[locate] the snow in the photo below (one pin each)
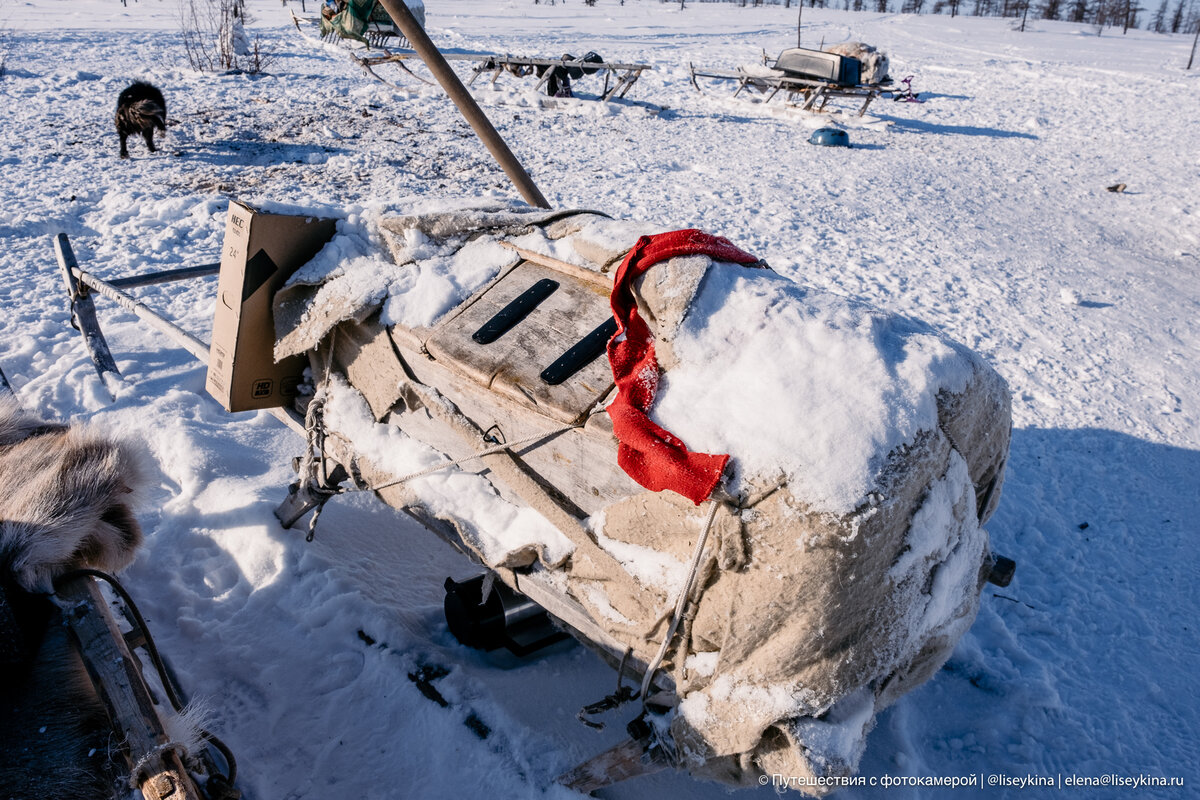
(801, 385)
(977, 211)
(495, 526)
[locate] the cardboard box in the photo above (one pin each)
(261, 252)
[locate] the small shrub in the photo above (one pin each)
(214, 37)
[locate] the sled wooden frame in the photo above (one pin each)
(82, 286)
(630, 758)
(815, 94)
(115, 672)
(618, 78)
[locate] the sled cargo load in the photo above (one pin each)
(765, 498)
(366, 21)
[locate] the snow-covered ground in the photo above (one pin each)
(982, 210)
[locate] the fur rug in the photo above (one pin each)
(65, 502)
(874, 62)
(65, 499)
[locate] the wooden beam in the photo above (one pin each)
(114, 671)
(574, 270)
(83, 311)
(630, 759)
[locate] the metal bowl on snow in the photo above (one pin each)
(830, 137)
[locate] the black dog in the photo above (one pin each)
(140, 109)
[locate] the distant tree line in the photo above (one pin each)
(1167, 16)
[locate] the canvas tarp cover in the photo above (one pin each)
(350, 22)
(847, 553)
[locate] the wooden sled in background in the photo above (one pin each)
(808, 78)
(619, 78)
(805, 93)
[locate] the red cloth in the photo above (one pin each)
(652, 456)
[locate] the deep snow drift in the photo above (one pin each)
(982, 211)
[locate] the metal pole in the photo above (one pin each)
(466, 104)
(167, 276)
(181, 337)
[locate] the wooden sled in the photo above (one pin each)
(542, 478)
(618, 78)
(805, 91)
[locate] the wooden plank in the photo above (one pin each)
(583, 464)
(512, 365)
(114, 671)
(83, 311)
(574, 270)
(632, 758)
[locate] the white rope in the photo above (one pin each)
(680, 602)
(142, 764)
(498, 448)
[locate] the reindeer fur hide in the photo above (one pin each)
(65, 503)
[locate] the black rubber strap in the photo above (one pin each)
(583, 353)
(507, 317)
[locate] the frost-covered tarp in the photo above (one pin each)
(846, 557)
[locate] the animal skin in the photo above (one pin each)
(65, 504)
(140, 109)
(874, 62)
(66, 499)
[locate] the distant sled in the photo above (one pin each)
(808, 79)
(383, 53)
